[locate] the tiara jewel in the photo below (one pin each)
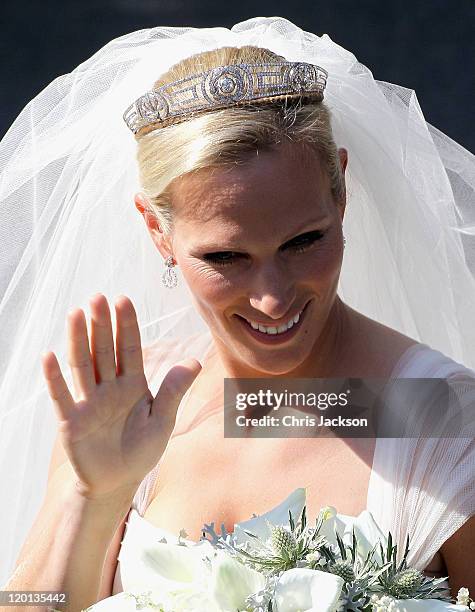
(223, 86)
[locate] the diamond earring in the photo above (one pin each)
(169, 277)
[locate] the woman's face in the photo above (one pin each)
(261, 244)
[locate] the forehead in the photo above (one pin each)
(271, 191)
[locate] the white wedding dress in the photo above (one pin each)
(421, 487)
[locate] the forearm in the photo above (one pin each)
(67, 552)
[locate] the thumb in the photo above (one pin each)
(172, 389)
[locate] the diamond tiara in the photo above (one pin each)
(221, 87)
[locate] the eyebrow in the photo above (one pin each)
(304, 225)
(296, 232)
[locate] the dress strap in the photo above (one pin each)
(143, 493)
(158, 358)
(142, 496)
(423, 486)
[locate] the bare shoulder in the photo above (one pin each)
(457, 552)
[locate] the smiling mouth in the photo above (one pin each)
(272, 334)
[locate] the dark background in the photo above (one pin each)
(426, 45)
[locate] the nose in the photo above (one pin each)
(272, 292)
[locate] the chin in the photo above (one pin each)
(274, 370)
(269, 361)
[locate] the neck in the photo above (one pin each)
(331, 348)
(324, 360)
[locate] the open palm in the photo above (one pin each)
(116, 431)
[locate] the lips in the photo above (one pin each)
(265, 338)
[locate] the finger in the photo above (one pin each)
(79, 355)
(128, 343)
(102, 340)
(172, 389)
(58, 390)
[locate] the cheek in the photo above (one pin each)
(209, 286)
(323, 265)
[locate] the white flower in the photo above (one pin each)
(189, 602)
(331, 522)
(279, 515)
(366, 529)
(300, 590)
(121, 602)
(388, 604)
(184, 576)
(327, 512)
(170, 567)
(367, 534)
(313, 557)
(233, 582)
(383, 604)
(463, 596)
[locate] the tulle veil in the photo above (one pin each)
(68, 227)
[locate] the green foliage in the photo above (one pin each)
(402, 582)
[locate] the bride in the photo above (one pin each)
(256, 146)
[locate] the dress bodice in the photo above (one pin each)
(411, 490)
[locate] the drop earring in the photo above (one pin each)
(169, 277)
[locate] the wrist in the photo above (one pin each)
(122, 495)
(99, 515)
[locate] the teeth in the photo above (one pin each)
(275, 330)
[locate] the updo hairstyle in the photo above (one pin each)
(229, 136)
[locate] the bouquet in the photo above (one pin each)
(277, 562)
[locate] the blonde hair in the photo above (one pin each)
(226, 137)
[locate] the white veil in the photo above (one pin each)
(69, 229)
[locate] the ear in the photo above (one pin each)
(343, 155)
(160, 239)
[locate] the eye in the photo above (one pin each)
(303, 242)
(299, 244)
(223, 258)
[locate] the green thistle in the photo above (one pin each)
(282, 540)
(402, 582)
(405, 584)
(344, 569)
